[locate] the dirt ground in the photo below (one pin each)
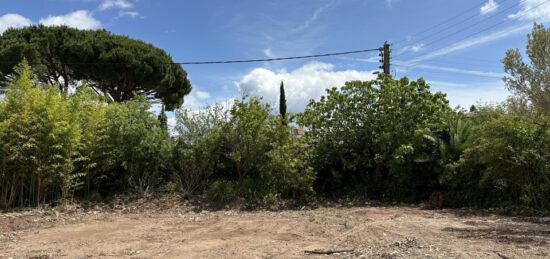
(181, 231)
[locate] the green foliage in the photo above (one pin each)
(515, 153)
(363, 138)
(248, 136)
(53, 144)
(282, 103)
(245, 148)
(265, 158)
(38, 140)
(530, 81)
(287, 169)
(114, 65)
(508, 163)
(506, 160)
(456, 136)
(137, 147)
(222, 191)
(163, 120)
(198, 150)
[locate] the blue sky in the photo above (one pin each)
(460, 57)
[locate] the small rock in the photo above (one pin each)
(347, 225)
(544, 220)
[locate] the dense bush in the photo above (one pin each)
(198, 151)
(52, 144)
(38, 142)
(244, 151)
(506, 163)
(138, 149)
(364, 138)
(507, 158)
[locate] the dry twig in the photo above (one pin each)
(329, 251)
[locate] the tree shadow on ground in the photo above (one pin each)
(505, 232)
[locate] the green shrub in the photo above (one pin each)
(514, 153)
(38, 143)
(199, 147)
(137, 150)
(246, 145)
(53, 144)
(222, 191)
(363, 138)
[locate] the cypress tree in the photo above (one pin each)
(282, 103)
(163, 120)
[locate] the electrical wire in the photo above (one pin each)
(477, 6)
(465, 28)
(477, 23)
(442, 72)
(492, 26)
(275, 59)
(462, 62)
(232, 61)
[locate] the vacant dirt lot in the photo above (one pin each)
(178, 231)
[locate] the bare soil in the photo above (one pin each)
(179, 230)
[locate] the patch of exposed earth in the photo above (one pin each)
(181, 232)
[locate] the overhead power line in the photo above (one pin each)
(524, 13)
(475, 24)
(462, 22)
(232, 61)
(476, 7)
(275, 59)
(490, 27)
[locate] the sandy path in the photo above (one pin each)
(372, 232)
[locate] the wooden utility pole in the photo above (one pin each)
(385, 61)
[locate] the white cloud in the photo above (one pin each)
(79, 19)
(199, 99)
(268, 53)
(301, 85)
(202, 95)
(488, 7)
(412, 48)
(404, 67)
(171, 122)
(132, 14)
(468, 43)
(315, 16)
(449, 69)
(12, 20)
(124, 6)
(473, 93)
(118, 4)
(193, 100)
(533, 10)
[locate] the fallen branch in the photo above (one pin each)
(502, 256)
(328, 252)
